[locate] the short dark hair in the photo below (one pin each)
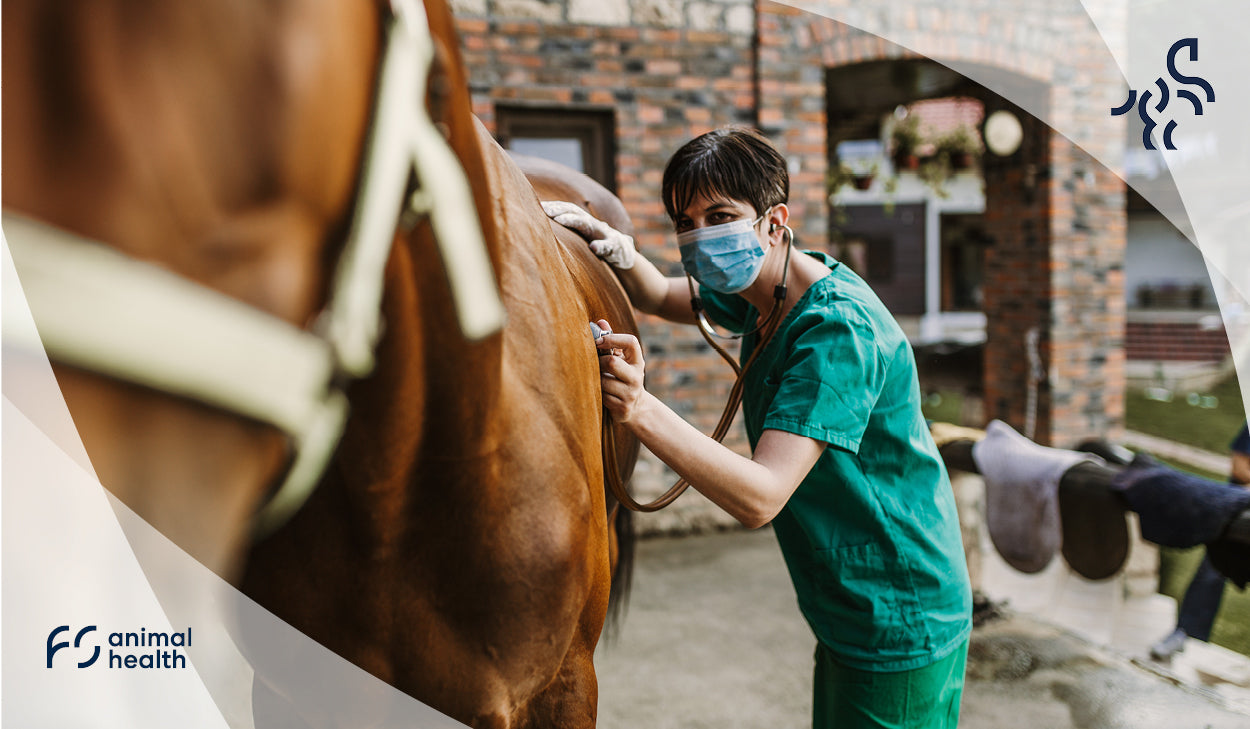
(735, 162)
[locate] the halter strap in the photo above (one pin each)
(102, 311)
(404, 141)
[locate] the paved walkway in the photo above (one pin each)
(1207, 460)
(713, 639)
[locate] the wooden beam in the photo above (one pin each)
(1083, 477)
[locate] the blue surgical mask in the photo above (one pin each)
(726, 258)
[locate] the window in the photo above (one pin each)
(584, 140)
(963, 241)
(870, 256)
(886, 247)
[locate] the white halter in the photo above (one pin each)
(102, 311)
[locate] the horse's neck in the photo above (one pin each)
(213, 137)
(461, 382)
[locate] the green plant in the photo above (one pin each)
(960, 146)
(935, 171)
(837, 177)
(905, 140)
(859, 174)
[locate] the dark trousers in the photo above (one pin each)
(1201, 601)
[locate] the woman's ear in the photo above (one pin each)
(777, 219)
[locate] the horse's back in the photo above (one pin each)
(554, 181)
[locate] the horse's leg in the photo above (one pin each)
(571, 700)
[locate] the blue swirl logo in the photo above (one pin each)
(1143, 101)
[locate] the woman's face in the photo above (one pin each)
(706, 211)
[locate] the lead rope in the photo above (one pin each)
(767, 328)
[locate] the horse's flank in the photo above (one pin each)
(466, 512)
(606, 299)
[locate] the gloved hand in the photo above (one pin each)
(606, 242)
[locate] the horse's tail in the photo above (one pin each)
(623, 572)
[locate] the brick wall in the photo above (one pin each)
(672, 69)
(1017, 273)
(1175, 341)
(1056, 216)
(675, 71)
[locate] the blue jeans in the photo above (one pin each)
(1201, 601)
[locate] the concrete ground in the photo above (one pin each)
(713, 638)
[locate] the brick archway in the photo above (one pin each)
(671, 69)
(1055, 215)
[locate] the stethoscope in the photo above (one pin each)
(767, 327)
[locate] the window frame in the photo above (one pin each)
(594, 128)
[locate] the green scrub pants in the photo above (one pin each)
(922, 698)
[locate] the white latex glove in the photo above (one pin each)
(606, 242)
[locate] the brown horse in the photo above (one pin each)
(554, 181)
(458, 545)
(219, 140)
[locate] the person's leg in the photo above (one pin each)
(1201, 601)
(923, 698)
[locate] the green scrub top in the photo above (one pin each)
(871, 536)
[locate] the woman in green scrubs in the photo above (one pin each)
(842, 462)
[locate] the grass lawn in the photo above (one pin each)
(1210, 429)
(944, 408)
(1232, 624)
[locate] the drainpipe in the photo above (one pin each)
(931, 322)
(755, 65)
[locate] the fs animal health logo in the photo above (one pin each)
(137, 649)
(54, 647)
(1143, 101)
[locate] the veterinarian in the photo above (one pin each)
(842, 462)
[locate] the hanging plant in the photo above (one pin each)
(905, 142)
(839, 176)
(961, 147)
(863, 181)
(935, 171)
(859, 175)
